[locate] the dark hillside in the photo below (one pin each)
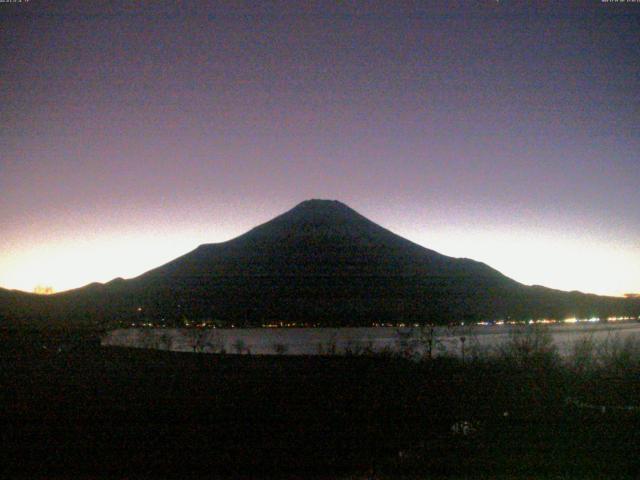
(87, 412)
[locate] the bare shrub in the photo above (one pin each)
(475, 351)
(355, 348)
(166, 341)
(214, 342)
(617, 353)
(406, 342)
(280, 348)
(195, 339)
(582, 356)
(530, 346)
(239, 345)
(352, 348)
(329, 347)
(368, 349)
(428, 339)
(454, 341)
(147, 338)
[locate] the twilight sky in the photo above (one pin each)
(507, 132)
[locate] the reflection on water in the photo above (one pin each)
(321, 341)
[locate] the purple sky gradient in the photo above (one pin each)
(502, 131)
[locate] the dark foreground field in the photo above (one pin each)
(98, 412)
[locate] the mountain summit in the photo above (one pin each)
(319, 238)
(326, 218)
(319, 263)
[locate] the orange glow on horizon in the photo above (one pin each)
(63, 265)
(554, 261)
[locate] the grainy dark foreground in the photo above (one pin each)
(88, 412)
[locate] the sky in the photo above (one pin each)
(507, 132)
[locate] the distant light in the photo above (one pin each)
(43, 290)
(571, 320)
(545, 321)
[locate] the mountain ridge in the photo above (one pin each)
(319, 263)
(339, 234)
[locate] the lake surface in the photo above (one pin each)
(316, 341)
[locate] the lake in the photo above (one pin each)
(315, 341)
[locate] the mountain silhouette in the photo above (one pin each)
(316, 238)
(319, 263)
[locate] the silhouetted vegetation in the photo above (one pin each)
(114, 411)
